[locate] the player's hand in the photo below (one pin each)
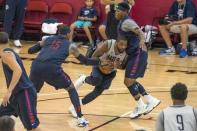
(6, 98)
(117, 64)
(105, 62)
(74, 50)
(143, 46)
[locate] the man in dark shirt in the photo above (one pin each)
(108, 30)
(184, 22)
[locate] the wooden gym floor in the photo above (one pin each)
(110, 111)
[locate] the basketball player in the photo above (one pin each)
(178, 117)
(102, 76)
(20, 99)
(47, 66)
(136, 62)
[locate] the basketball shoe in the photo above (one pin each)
(151, 105)
(72, 111)
(138, 111)
(82, 122)
(80, 81)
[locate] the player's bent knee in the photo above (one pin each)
(71, 86)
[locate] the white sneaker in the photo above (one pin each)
(82, 122)
(168, 51)
(138, 111)
(72, 111)
(17, 43)
(80, 81)
(151, 105)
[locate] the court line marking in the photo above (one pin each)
(71, 61)
(160, 89)
(138, 127)
(114, 119)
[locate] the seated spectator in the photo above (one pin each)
(184, 22)
(182, 117)
(87, 16)
(6, 123)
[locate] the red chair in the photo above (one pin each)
(62, 12)
(37, 12)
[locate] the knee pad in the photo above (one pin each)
(141, 89)
(134, 90)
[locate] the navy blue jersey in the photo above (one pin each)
(88, 12)
(133, 39)
(183, 11)
(54, 50)
(23, 82)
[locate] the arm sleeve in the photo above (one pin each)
(160, 122)
(172, 10)
(129, 25)
(190, 10)
(81, 12)
(88, 61)
(34, 49)
(95, 14)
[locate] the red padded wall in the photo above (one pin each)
(143, 12)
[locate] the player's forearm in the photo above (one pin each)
(141, 36)
(34, 49)
(88, 61)
(15, 78)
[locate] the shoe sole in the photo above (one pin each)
(167, 53)
(18, 46)
(152, 109)
(83, 125)
(136, 116)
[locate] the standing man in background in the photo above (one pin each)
(14, 13)
(108, 30)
